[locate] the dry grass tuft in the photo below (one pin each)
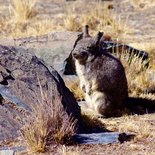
(25, 20)
(98, 19)
(75, 89)
(63, 150)
(135, 125)
(48, 125)
(141, 126)
(92, 124)
(138, 76)
(72, 24)
(23, 10)
(146, 46)
(142, 4)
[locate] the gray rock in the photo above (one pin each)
(13, 148)
(19, 85)
(102, 138)
(7, 152)
(53, 48)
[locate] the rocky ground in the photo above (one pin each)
(137, 19)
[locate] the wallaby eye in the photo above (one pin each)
(83, 53)
(89, 48)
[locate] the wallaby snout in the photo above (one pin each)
(80, 55)
(75, 55)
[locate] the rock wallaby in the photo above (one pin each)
(102, 76)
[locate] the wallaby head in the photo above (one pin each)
(86, 47)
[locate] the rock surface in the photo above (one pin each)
(21, 71)
(7, 152)
(54, 47)
(102, 138)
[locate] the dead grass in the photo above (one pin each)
(146, 46)
(99, 19)
(142, 4)
(49, 124)
(64, 150)
(23, 10)
(72, 24)
(142, 126)
(138, 76)
(92, 123)
(22, 20)
(25, 20)
(75, 89)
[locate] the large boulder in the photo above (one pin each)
(53, 48)
(21, 75)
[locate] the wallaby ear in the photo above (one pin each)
(97, 38)
(79, 37)
(103, 37)
(84, 34)
(86, 31)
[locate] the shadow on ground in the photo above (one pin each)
(140, 106)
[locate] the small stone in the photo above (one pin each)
(7, 152)
(17, 73)
(97, 138)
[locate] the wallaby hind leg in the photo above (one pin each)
(102, 105)
(99, 102)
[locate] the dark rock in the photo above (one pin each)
(113, 47)
(125, 137)
(69, 66)
(22, 71)
(102, 138)
(150, 91)
(53, 48)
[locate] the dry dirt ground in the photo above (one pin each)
(131, 22)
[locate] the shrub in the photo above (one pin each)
(48, 125)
